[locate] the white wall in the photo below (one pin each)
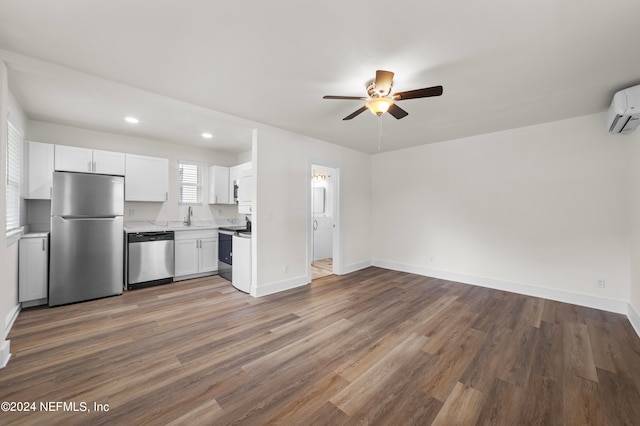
(634, 216)
(282, 170)
(170, 210)
(8, 253)
(540, 209)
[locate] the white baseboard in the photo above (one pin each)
(634, 319)
(5, 353)
(302, 280)
(10, 319)
(353, 267)
(605, 304)
(280, 286)
(5, 345)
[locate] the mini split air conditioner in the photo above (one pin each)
(624, 112)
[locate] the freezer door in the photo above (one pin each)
(87, 258)
(87, 195)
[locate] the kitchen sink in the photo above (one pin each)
(177, 224)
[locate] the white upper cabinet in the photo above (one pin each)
(236, 175)
(245, 191)
(108, 162)
(219, 185)
(74, 159)
(146, 178)
(39, 170)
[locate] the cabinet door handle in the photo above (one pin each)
(166, 196)
(89, 166)
(94, 166)
(51, 192)
(43, 244)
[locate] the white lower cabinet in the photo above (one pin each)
(196, 253)
(33, 272)
(186, 252)
(208, 254)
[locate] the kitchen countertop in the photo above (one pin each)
(35, 235)
(159, 226)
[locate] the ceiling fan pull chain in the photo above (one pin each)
(379, 132)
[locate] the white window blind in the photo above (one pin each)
(14, 149)
(190, 176)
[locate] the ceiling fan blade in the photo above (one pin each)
(353, 98)
(356, 113)
(418, 93)
(384, 79)
(397, 112)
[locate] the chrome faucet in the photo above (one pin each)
(188, 221)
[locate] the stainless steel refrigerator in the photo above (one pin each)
(87, 237)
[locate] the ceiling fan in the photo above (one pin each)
(379, 100)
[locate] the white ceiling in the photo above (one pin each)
(190, 66)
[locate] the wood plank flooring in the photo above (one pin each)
(372, 347)
(321, 268)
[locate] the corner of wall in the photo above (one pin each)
(353, 267)
(634, 319)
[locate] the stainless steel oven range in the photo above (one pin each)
(225, 250)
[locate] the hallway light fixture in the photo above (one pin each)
(318, 177)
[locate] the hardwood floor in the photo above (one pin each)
(321, 268)
(372, 347)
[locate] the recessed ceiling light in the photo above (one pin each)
(207, 135)
(131, 120)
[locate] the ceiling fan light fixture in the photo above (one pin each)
(379, 106)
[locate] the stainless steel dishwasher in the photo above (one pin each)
(150, 259)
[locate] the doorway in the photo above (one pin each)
(323, 219)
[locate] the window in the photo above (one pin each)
(190, 180)
(14, 149)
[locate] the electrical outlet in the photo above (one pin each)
(132, 212)
(286, 269)
(600, 283)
